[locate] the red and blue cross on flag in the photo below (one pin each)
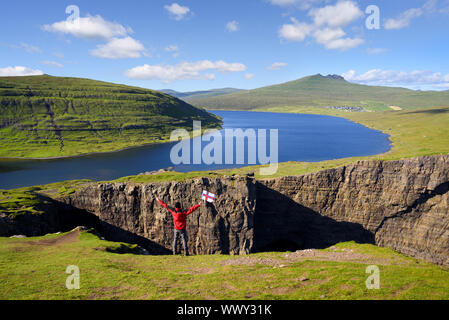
(208, 196)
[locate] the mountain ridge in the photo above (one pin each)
(324, 91)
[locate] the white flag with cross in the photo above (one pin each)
(208, 196)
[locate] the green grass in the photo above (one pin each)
(32, 199)
(320, 91)
(167, 176)
(413, 133)
(45, 117)
(31, 270)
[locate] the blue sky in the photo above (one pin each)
(201, 44)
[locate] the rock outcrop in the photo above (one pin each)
(400, 204)
(130, 212)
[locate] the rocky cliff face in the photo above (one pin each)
(130, 212)
(398, 204)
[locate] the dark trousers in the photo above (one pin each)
(183, 235)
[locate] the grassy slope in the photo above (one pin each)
(413, 133)
(34, 268)
(44, 116)
(28, 200)
(320, 91)
(186, 96)
(420, 129)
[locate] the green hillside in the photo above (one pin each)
(45, 116)
(187, 96)
(325, 91)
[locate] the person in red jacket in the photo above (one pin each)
(179, 218)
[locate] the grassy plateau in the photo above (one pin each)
(34, 268)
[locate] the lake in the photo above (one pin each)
(302, 137)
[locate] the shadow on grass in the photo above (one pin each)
(58, 216)
(430, 111)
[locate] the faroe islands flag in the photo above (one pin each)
(207, 196)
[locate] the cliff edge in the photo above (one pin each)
(400, 204)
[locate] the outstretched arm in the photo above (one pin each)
(164, 205)
(192, 209)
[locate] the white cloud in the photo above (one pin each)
(332, 38)
(344, 43)
(90, 27)
(177, 11)
(339, 15)
(277, 66)
(249, 76)
(295, 31)
(403, 20)
(232, 26)
(27, 47)
(326, 27)
(172, 48)
(53, 63)
(19, 71)
(376, 51)
(119, 48)
(392, 77)
(183, 71)
(324, 36)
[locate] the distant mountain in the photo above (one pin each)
(45, 116)
(200, 94)
(325, 91)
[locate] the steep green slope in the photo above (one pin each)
(45, 116)
(325, 91)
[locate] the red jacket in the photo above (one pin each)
(179, 216)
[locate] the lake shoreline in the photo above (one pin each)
(300, 139)
(81, 155)
(6, 159)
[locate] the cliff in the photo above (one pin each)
(398, 204)
(130, 212)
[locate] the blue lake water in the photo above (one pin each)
(301, 137)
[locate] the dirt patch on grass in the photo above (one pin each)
(297, 285)
(67, 238)
(204, 270)
(250, 261)
(404, 289)
(109, 292)
(334, 254)
(70, 237)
